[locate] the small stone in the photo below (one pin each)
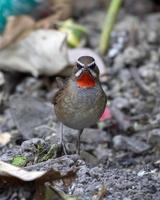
(89, 158)
(113, 52)
(154, 137)
(121, 102)
(129, 143)
(96, 136)
(8, 155)
(130, 56)
(78, 191)
(96, 172)
(30, 145)
(152, 37)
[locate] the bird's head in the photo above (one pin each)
(86, 72)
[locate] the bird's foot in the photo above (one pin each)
(63, 148)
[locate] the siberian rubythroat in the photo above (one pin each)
(81, 101)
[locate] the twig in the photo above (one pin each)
(101, 193)
(108, 25)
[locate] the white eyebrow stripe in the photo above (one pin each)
(80, 63)
(91, 64)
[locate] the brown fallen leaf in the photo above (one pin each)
(22, 23)
(19, 173)
(51, 170)
(5, 138)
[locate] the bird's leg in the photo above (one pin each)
(63, 147)
(78, 141)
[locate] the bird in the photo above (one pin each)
(81, 101)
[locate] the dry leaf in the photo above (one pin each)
(17, 26)
(22, 24)
(10, 170)
(41, 52)
(50, 170)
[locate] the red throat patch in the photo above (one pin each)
(86, 80)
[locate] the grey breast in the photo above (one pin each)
(84, 107)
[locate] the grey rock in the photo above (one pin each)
(30, 114)
(30, 145)
(148, 71)
(30, 148)
(79, 191)
(89, 158)
(154, 137)
(9, 120)
(102, 152)
(121, 102)
(96, 136)
(129, 143)
(8, 155)
(96, 172)
(130, 56)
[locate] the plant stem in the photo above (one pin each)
(110, 19)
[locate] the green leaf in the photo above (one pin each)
(19, 161)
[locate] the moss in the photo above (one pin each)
(51, 153)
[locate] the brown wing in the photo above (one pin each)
(61, 85)
(57, 96)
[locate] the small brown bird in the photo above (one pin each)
(81, 101)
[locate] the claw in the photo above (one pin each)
(63, 148)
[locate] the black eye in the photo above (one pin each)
(79, 66)
(92, 66)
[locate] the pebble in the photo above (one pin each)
(30, 145)
(121, 142)
(96, 136)
(154, 137)
(121, 102)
